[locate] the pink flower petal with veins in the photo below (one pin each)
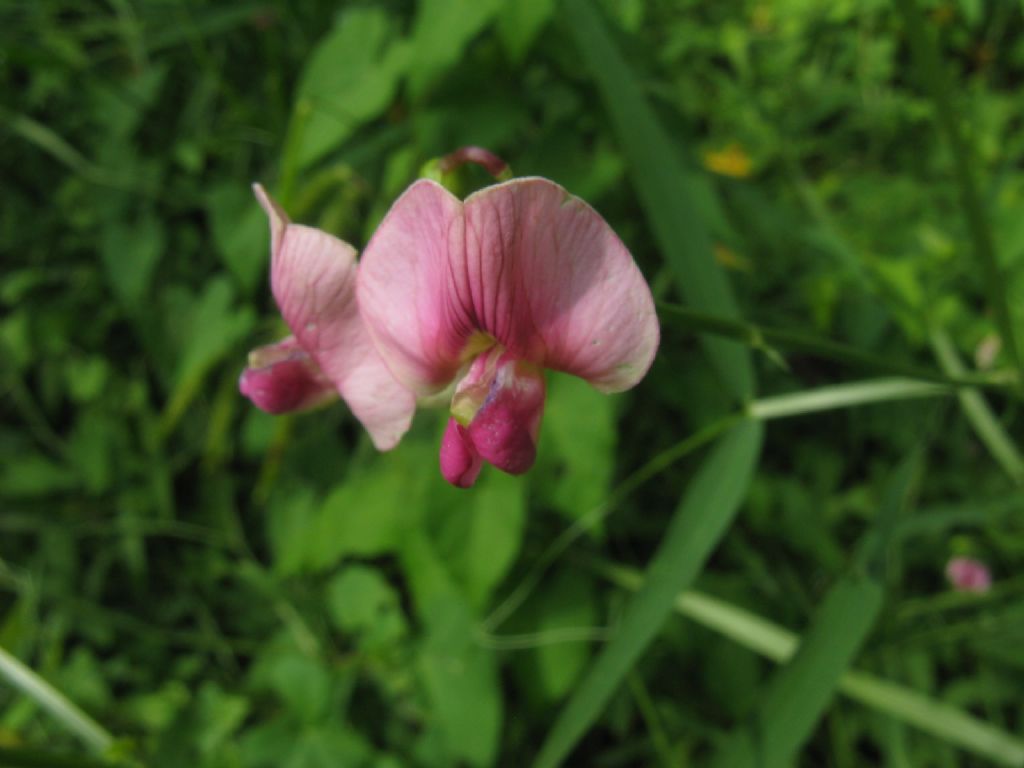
(313, 278)
(524, 262)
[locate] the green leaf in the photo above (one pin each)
(130, 253)
(667, 196)
(350, 78)
(360, 601)
(485, 536)
(579, 440)
(519, 24)
(699, 522)
(567, 603)
(442, 30)
(239, 232)
(461, 679)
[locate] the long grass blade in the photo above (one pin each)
(699, 522)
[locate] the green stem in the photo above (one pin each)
(779, 644)
(54, 702)
(930, 67)
(843, 396)
(758, 337)
(985, 424)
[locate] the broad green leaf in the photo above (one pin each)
(130, 252)
(668, 198)
(519, 23)
(361, 602)
(461, 679)
(239, 232)
(566, 604)
(489, 532)
(441, 32)
(350, 78)
(703, 516)
(578, 442)
(371, 511)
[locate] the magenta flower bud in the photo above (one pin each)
(966, 574)
(281, 377)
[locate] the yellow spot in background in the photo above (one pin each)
(731, 160)
(729, 259)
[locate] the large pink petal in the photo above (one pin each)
(544, 274)
(313, 277)
(404, 293)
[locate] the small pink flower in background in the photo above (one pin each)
(967, 574)
(475, 297)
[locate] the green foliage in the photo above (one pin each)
(819, 195)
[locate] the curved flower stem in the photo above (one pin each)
(54, 702)
(843, 396)
(761, 337)
(930, 68)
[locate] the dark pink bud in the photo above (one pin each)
(282, 377)
(460, 462)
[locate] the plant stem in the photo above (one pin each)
(843, 396)
(54, 702)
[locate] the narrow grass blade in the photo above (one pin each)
(942, 721)
(844, 396)
(699, 522)
(798, 694)
(53, 701)
(660, 181)
(985, 424)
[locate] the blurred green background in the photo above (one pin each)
(186, 581)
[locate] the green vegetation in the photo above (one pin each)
(740, 562)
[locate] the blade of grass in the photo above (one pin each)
(843, 396)
(798, 694)
(933, 74)
(985, 424)
(759, 337)
(63, 710)
(699, 522)
(660, 181)
(768, 639)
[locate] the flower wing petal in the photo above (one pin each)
(313, 278)
(404, 287)
(549, 279)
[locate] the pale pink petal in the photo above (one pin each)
(460, 462)
(545, 275)
(403, 289)
(313, 277)
(281, 377)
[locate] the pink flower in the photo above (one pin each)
(475, 297)
(967, 574)
(487, 293)
(313, 278)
